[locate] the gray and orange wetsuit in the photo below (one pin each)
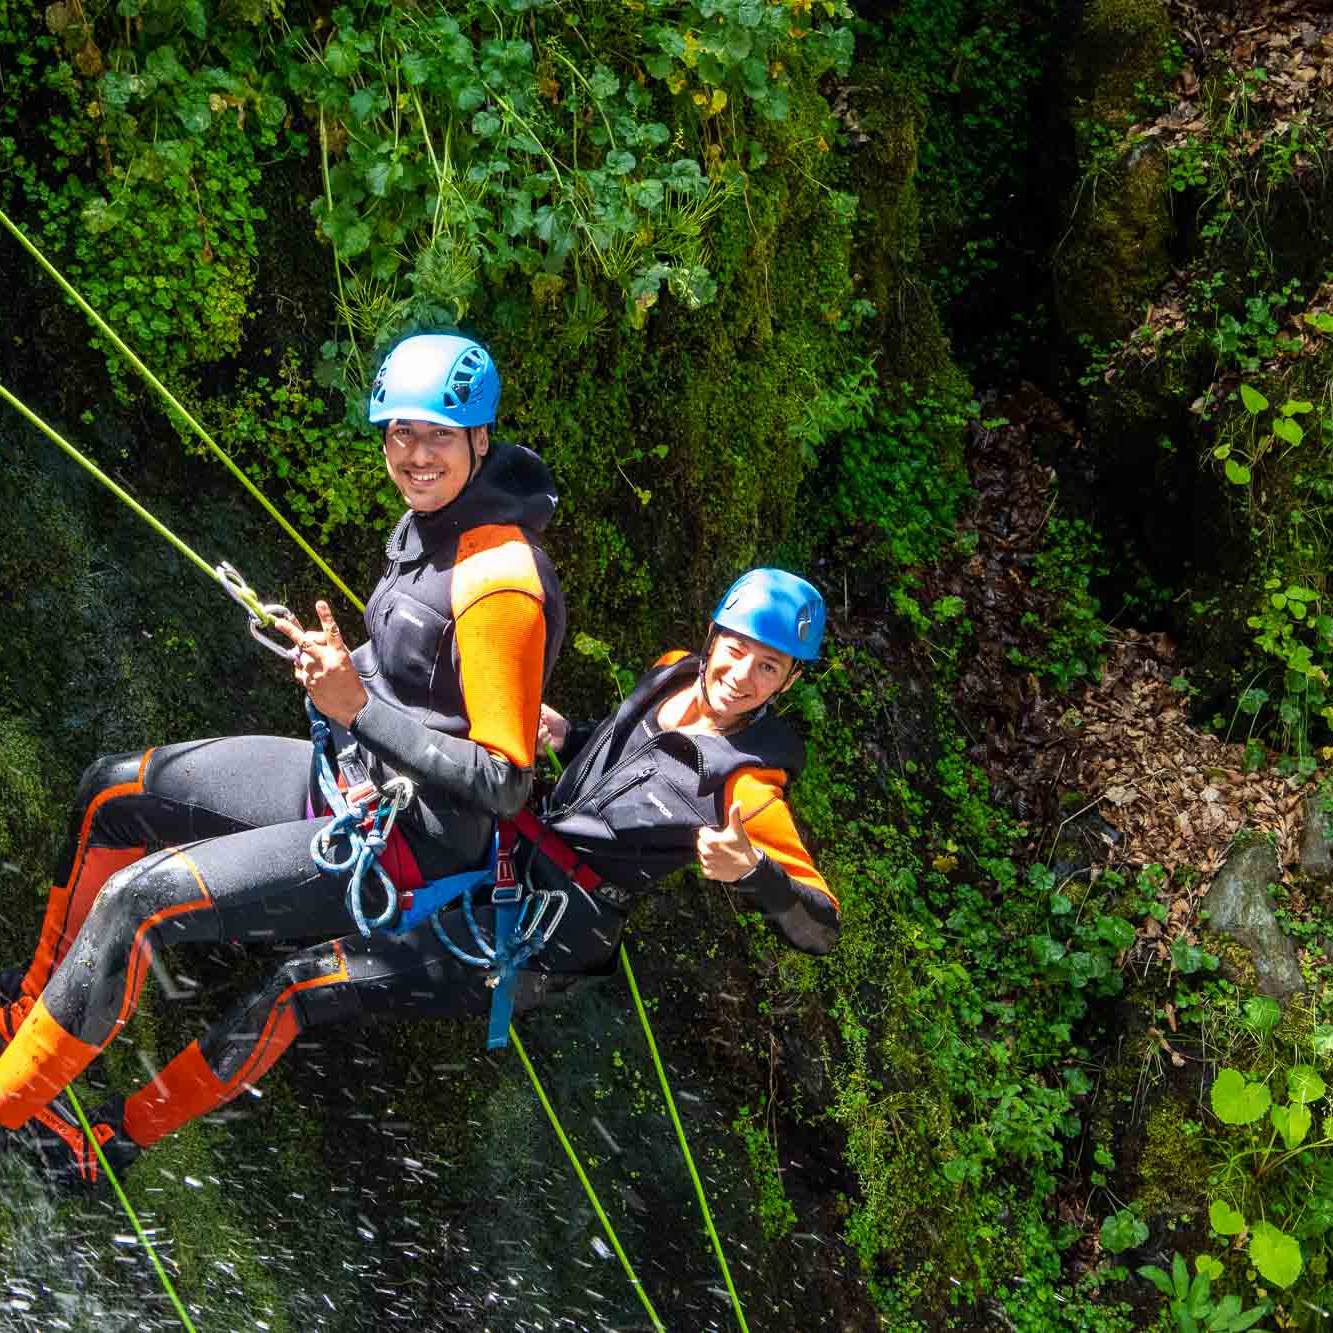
(208, 841)
(633, 798)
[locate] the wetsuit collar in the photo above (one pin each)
(512, 486)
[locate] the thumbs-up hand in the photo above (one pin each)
(726, 853)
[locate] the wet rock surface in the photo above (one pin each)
(1240, 906)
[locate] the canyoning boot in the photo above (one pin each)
(14, 1004)
(70, 1160)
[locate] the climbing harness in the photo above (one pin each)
(515, 930)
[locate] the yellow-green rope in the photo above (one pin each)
(176, 405)
(90, 1137)
(680, 1137)
(250, 601)
(585, 1182)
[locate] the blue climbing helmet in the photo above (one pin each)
(439, 377)
(778, 609)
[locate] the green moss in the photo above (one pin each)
(1173, 1167)
(1118, 51)
(1114, 256)
(1237, 963)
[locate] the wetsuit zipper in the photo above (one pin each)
(596, 796)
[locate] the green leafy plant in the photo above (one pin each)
(1240, 1101)
(1191, 1304)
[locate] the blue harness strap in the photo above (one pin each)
(520, 930)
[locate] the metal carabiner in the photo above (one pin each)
(261, 614)
(400, 791)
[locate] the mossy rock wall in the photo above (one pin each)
(1113, 255)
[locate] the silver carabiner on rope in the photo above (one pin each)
(400, 792)
(260, 614)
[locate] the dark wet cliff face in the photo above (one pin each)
(1092, 220)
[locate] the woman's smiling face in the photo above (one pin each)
(430, 464)
(742, 675)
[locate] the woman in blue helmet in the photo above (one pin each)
(694, 765)
(210, 841)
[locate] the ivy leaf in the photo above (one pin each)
(1116, 931)
(1237, 472)
(366, 102)
(1304, 1084)
(1235, 1100)
(1292, 1122)
(1275, 1254)
(1224, 1219)
(1261, 1013)
(602, 83)
(353, 240)
(1288, 430)
(1046, 950)
(416, 68)
(193, 16)
(1254, 401)
(383, 174)
(163, 65)
(1122, 1231)
(1188, 958)
(194, 114)
(647, 194)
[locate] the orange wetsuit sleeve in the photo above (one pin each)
(769, 824)
(784, 886)
(500, 634)
(501, 642)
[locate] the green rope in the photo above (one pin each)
(90, 1137)
(251, 602)
(586, 1183)
(680, 1136)
(176, 405)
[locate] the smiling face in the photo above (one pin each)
(742, 675)
(430, 464)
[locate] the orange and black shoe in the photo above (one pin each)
(70, 1159)
(14, 1004)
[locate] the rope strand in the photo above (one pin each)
(177, 406)
(167, 1286)
(684, 1146)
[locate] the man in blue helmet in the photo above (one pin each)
(209, 841)
(694, 765)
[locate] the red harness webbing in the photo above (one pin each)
(556, 850)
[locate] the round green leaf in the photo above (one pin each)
(1304, 1084)
(1237, 472)
(1262, 1013)
(1206, 1266)
(1288, 430)
(1276, 1255)
(1292, 1122)
(1224, 1219)
(1236, 1101)
(1254, 401)
(1122, 1231)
